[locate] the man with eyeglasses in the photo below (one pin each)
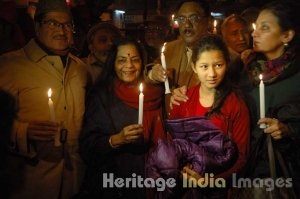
(193, 17)
(46, 131)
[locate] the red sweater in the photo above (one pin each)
(233, 121)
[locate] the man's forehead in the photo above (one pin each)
(191, 7)
(59, 16)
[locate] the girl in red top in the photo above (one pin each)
(215, 98)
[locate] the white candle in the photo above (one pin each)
(262, 100)
(253, 26)
(215, 27)
(52, 117)
(164, 65)
(141, 105)
(51, 107)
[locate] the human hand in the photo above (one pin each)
(246, 54)
(188, 173)
(42, 130)
(158, 73)
(129, 134)
(178, 95)
(274, 127)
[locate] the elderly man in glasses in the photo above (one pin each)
(193, 17)
(46, 131)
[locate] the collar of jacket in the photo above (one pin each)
(34, 51)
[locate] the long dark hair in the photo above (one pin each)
(214, 42)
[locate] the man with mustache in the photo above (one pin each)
(193, 17)
(47, 145)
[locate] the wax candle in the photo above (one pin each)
(141, 105)
(262, 100)
(164, 65)
(253, 26)
(52, 118)
(215, 27)
(51, 107)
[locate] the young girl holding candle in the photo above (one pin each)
(112, 141)
(215, 98)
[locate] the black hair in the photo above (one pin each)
(39, 18)
(108, 73)
(215, 42)
(106, 79)
(202, 3)
(287, 14)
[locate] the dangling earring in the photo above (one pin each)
(286, 44)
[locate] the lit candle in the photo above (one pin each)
(52, 117)
(164, 65)
(50, 104)
(262, 100)
(141, 104)
(253, 26)
(215, 27)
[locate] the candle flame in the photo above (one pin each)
(49, 92)
(163, 48)
(253, 26)
(141, 87)
(215, 23)
(260, 76)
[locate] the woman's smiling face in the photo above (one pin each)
(128, 63)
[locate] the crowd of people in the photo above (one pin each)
(69, 121)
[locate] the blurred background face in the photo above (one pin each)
(192, 30)
(210, 68)
(31, 8)
(128, 63)
(268, 37)
(236, 35)
(56, 39)
(101, 43)
(155, 34)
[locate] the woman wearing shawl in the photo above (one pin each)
(112, 142)
(275, 55)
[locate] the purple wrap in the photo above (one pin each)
(197, 141)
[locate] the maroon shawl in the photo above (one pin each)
(152, 118)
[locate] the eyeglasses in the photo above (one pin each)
(52, 24)
(193, 19)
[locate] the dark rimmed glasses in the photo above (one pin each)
(194, 19)
(53, 24)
